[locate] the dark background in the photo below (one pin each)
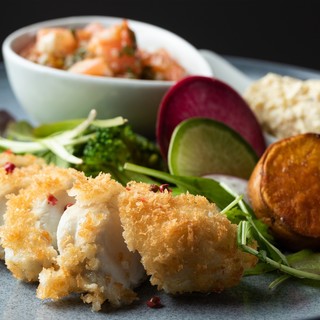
(278, 31)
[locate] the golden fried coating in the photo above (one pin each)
(94, 259)
(31, 220)
(185, 243)
(16, 172)
(19, 160)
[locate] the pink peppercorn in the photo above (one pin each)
(9, 167)
(154, 302)
(52, 200)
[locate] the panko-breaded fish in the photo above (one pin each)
(16, 173)
(94, 259)
(186, 245)
(28, 234)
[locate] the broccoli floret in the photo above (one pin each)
(110, 148)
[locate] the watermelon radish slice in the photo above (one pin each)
(201, 96)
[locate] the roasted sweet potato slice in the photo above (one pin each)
(284, 190)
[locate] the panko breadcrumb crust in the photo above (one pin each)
(185, 243)
(28, 245)
(20, 160)
(25, 167)
(79, 267)
(21, 176)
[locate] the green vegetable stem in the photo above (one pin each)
(89, 145)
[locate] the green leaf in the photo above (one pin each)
(209, 188)
(262, 255)
(49, 129)
(306, 260)
(259, 268)
(21, 130)
(279, 280)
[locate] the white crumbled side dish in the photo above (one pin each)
(285, 106)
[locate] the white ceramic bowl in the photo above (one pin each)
(48, 94)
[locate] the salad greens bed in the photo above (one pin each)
(111, 145)
(89, 145)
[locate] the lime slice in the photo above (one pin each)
(201, 146)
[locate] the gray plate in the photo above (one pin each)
(250, 300)
(258, 68)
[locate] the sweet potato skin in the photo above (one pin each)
(284, 190)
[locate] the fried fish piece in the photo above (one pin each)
(28, 234)
(284, 190)
(185, 243)
(16, 173)
(94, 259)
